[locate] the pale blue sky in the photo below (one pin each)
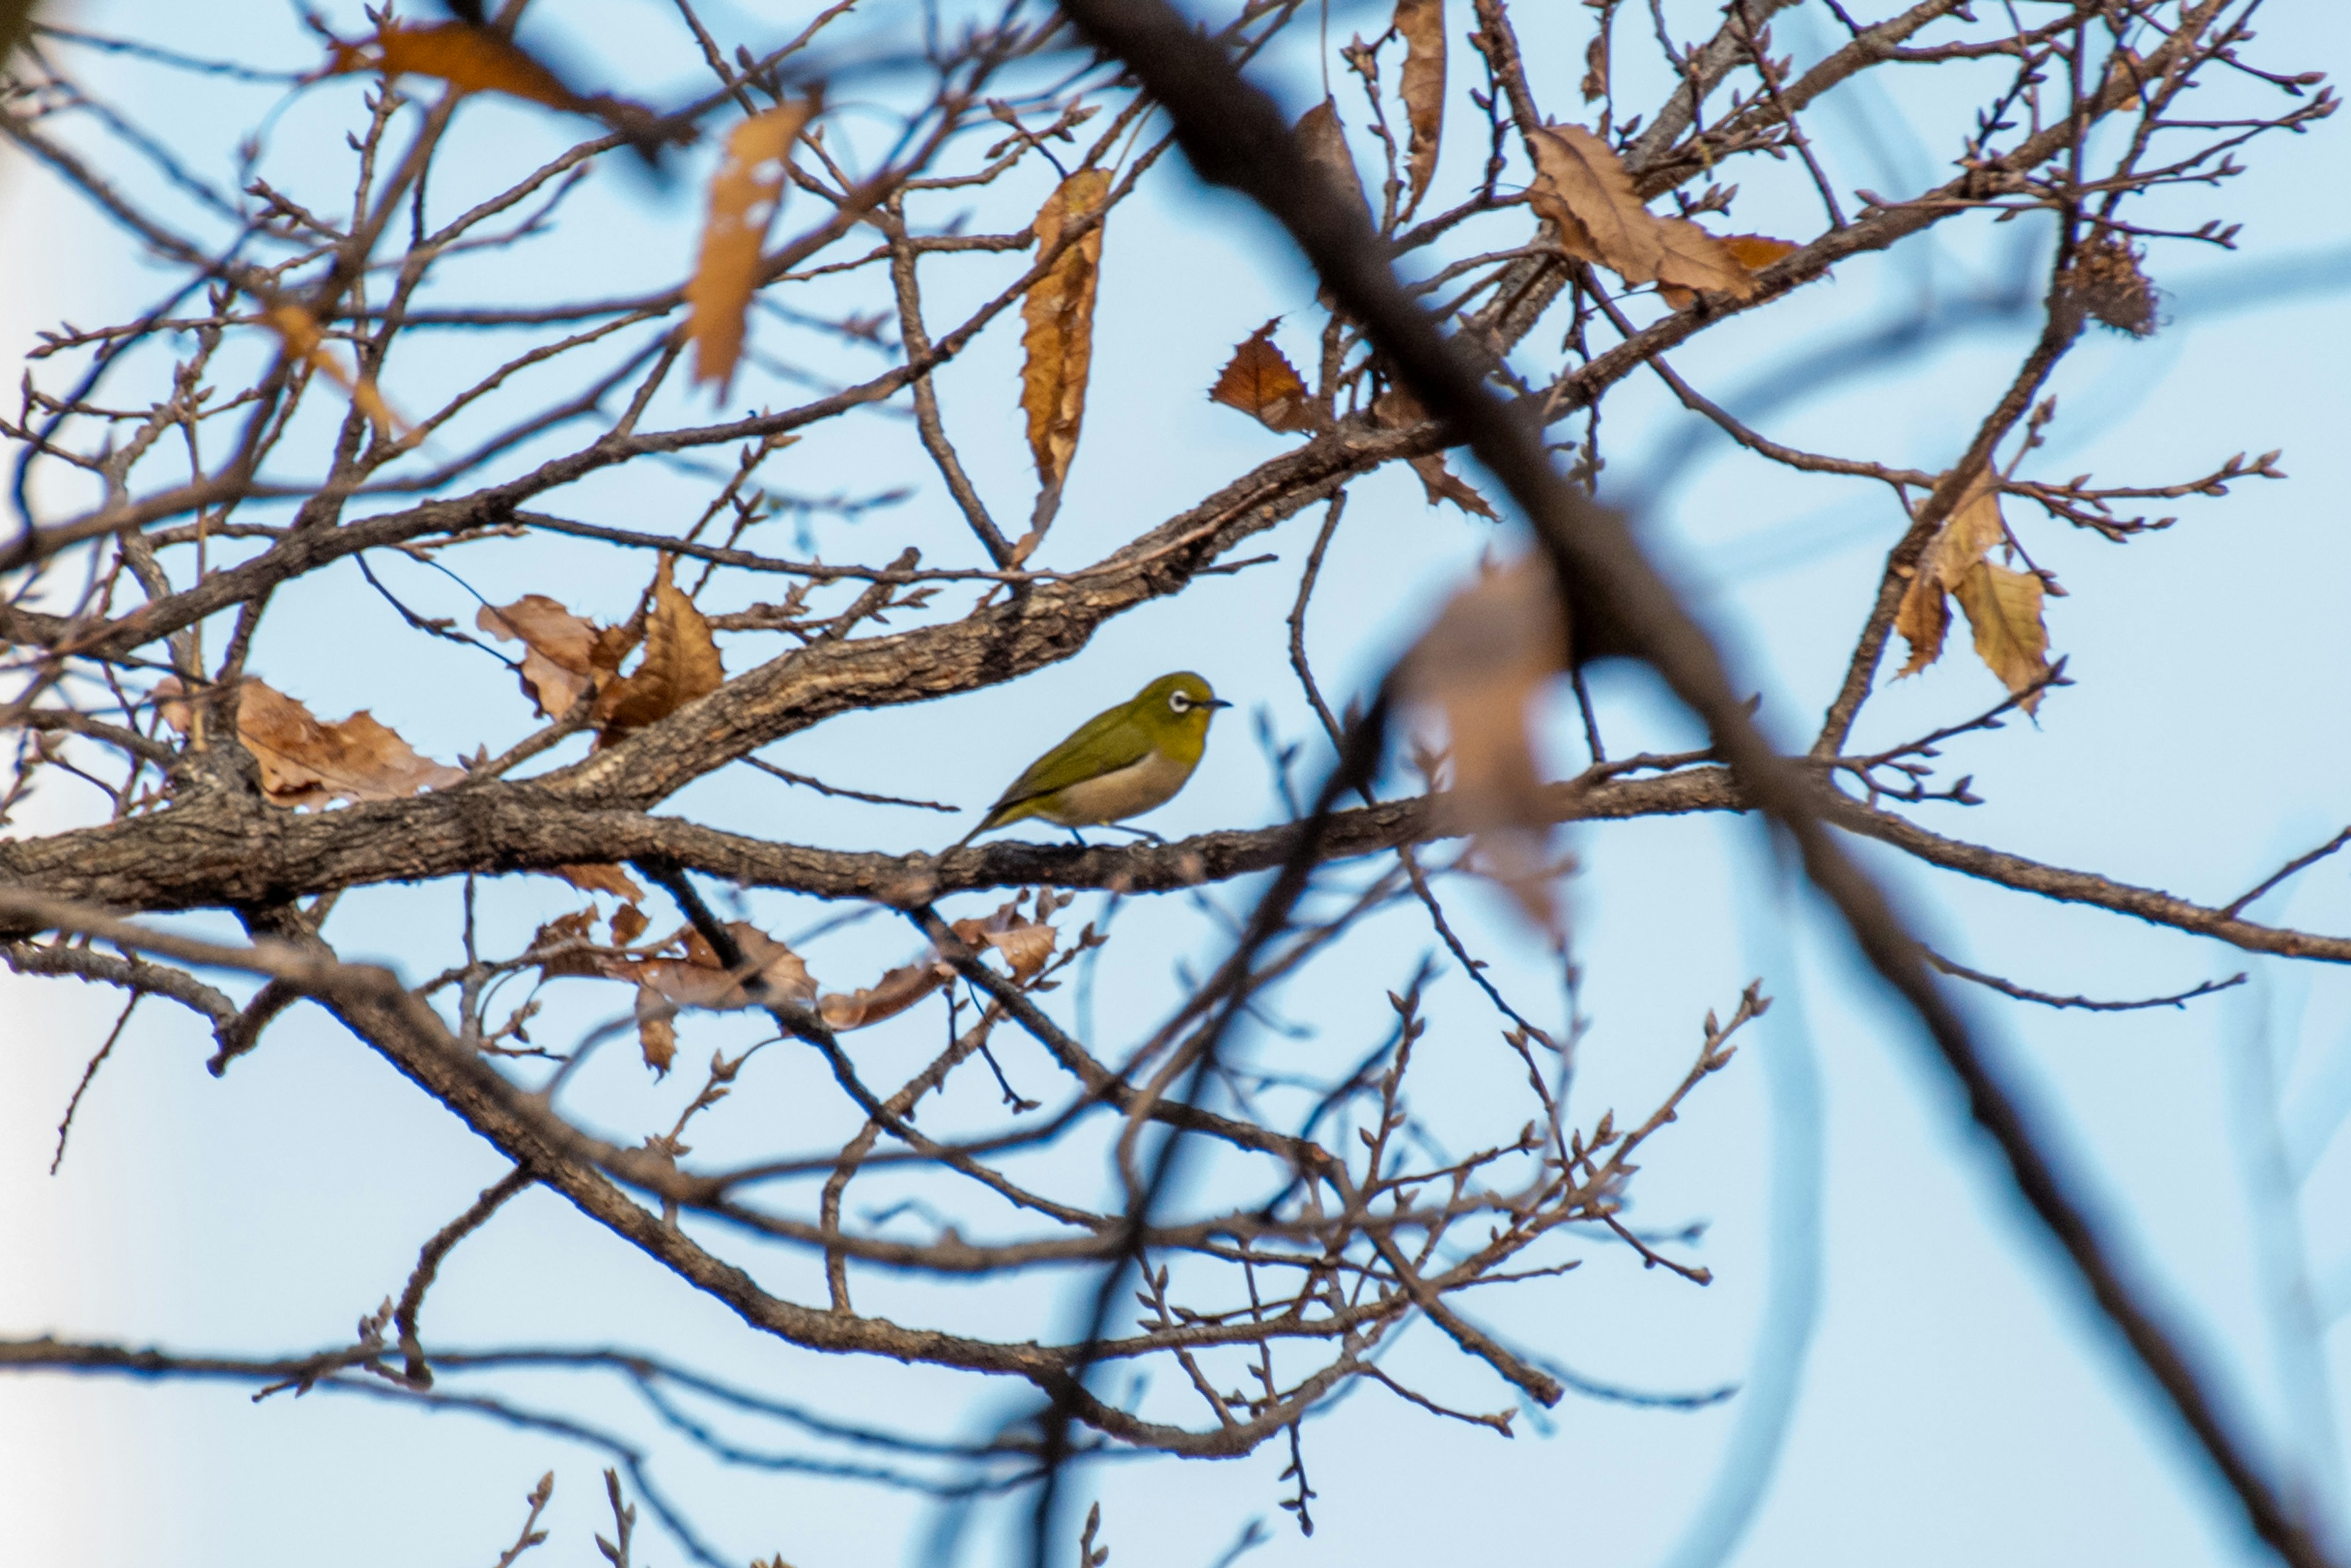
(1958, 1403)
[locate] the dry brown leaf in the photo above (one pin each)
(679, 665)
(628, 924)
(892, 994)
(1324, 142)
(612, 878)
(1966, 537)
(1583, 187)
(304, 762)
(1922, 617)
(1496, 645)
(656, 1030)
(2003, 606)
(744, 195)
(468, 57)
(1028, 947)
(1753, 253)
(1595, 66)
(1422, 25)
(1442, 484)
(1259, 381)
(699, 980)
(1396, 408)
(1058, 338)
(2003, 610)
(565, 656)
(568, 932)
(305, 341)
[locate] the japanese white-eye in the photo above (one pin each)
(1121, 763)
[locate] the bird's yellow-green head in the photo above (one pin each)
(1174, 710)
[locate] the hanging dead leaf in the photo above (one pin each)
(681, 664)
(305, 341)
(1059, 317)
(2003, 610)
(565, 656)
(1583, 187)
(2003, 606)
(563, 947)
(610, 879)
(1396, 408)
(1324, 142)
(744, 197)
(1595, 63)
(1441, 484)
(892, 994)
(1259, 382)
(698, 980)
(306, 763)
(1496, 645)
(469, 57)
(1753, 253)
(1026, 947)
(628, 924)
(656, 1030)
(1421, 23)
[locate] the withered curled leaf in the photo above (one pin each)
(2003, 606)
(1058, 338)
(469, 57)
(744, 197)
(681, 664)
(565, 656)
(1421, 23)
(1583, 188)
(304, 762)
(1259, 381)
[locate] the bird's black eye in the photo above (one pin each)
(1178, 701)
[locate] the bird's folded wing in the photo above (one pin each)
(1104, 744)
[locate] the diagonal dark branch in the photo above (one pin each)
(1235, 136)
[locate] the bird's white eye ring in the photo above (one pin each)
(1178, 701)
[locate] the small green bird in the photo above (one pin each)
(1119, 763)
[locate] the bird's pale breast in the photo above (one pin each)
(1115, 796)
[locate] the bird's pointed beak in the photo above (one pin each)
(1216, 702)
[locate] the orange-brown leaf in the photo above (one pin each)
(305, 341)
(1922, 617)
(596, 878)
(1442, 484)
(892, 994)
(744, 195)
(1422, 25)
(1596, 65)
(468, 57)
(628, 924)
(656, 1030)
(1753, 253)
(679, 665)
(1583, 188)
(699, 980)
(564, 657)
(564, 942)
(1954, 557)
(1260, 382)
(1058, 338)
(306, 763)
